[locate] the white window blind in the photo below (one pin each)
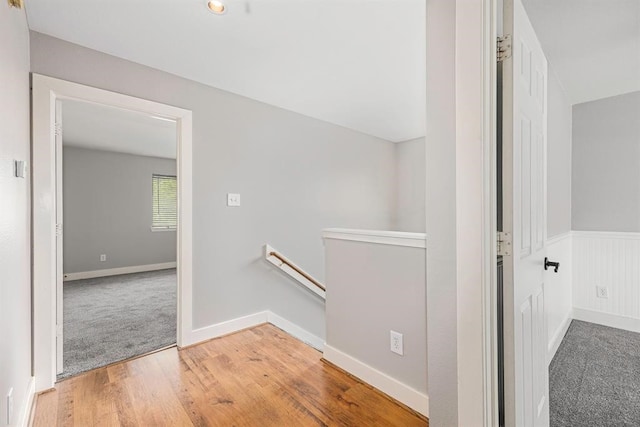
(165, 201)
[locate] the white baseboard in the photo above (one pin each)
(25, 412)
(296, 331)
(558, 336)
(238, 324)
(403, 393)
(225, 328)
(607, 319)
(117, 271)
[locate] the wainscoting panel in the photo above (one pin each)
(611, 261)
(558, 291)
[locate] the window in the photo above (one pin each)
(165, 202)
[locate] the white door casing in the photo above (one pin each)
(46, 92)
(524, 216)
(59, 237)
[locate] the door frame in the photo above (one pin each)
(461, 254)
(46, 91)
(476, 24)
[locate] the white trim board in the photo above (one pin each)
(296, 331)
(607, 319)
(227, 327)
(117, 271)
(558, 336)
(633, 235)
(24, 415)
(396, 238)
(46, 92)
(235, 325)
(403, 393)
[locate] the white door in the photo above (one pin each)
(59, 229)
(524, 217)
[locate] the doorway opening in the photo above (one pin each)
(116, 246)
(48, 268)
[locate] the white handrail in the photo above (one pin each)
(286, 265)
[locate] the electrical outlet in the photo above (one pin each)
(10, 406)
(103, 258)
(396, 343)
(233, 199)
(602, 292)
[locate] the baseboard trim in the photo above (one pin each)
(24, 416)
(296, 331)
(558, 336)
(236, 325)
(116, 271)
(224, 328)
(403, 393)
(607, 319)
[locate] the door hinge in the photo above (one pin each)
(504, 47)
(504, 243)
(58, 229)
(58, 129)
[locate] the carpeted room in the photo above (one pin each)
(593, 146)
(119, 248)
(593, 375)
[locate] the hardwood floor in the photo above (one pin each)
(257, 377)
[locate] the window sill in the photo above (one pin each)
(162, 229)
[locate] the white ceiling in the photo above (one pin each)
(593, 45)
(112, 129)
(355, 63)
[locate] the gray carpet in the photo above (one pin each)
(594, 378)
(109, 319)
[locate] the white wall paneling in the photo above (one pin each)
(558, 290)
(610, 260)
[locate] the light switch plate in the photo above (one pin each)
(20, 168)
(233, 199)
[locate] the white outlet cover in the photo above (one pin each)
(396, 344)
(602, 292)
(103, 257)
(233, 199)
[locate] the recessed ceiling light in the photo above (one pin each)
(217, 7)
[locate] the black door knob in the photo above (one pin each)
(548, 264)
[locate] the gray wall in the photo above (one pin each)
(441, 227)
(606, 164)
(410, 186)
(296, 176)
(107, 210)
(15, 255)
(558, 158)
(391, 279)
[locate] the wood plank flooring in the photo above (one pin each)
(257, 377)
